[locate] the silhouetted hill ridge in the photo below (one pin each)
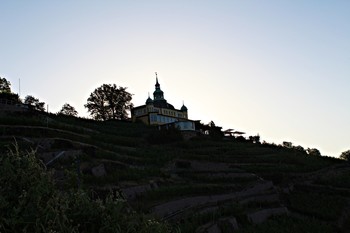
(201, 185)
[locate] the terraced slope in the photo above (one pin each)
(200, 185)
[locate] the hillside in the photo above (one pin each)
(200, 185)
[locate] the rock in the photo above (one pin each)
(228, 224)
(262, 215)
(261, 198)
(209, 228)
(133, 192)
(99, 170)
(214, 229)
(85, 168)
(48, 156)
(153, 184)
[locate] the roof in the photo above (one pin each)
(163, 104)
(149, 101)
(228, 131)
(238, 132)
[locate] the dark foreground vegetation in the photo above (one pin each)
(66, 174)
(31, 202)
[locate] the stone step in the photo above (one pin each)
(262, 215)
(170, 209)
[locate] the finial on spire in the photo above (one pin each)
(157, 84)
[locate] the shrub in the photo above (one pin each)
(345, 155)
(30, 202)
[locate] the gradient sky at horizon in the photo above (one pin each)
(276, 68)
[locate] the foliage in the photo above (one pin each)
(215, 131)
(126, 143)
(34, 103)
(254, 139)
(6, 93)
(30, 202)
(313, 152)
(68, 110)
(299, 148)
(5, 86)
(12, 97)
(345, 155)
(109, 102)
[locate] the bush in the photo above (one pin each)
(30, 202)
(345, 155)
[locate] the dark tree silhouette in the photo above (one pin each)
(34, 103)
(5, 86)
(109, 102)
(215, 131)
(6, 93)
(68, 110)
(313, 151)
(299, 148)
(345, 155)
(255, 139)
(211, 124)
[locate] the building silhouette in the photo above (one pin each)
(158, 111)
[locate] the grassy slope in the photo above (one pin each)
(139, 162)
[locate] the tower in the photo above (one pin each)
(158, 94)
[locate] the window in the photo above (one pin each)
(153, 118)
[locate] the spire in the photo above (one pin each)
(158, 93)
(149, 100)
(157, 83)
(183, 108)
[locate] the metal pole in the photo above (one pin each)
(47, 117)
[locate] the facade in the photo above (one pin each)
(158, 111)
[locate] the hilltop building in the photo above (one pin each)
(158, 111)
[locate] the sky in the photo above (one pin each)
(277, 68)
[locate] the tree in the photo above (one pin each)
(6, 94)
(255, 139)
(215, 131)
(109, 102)
(299, 148)
(31, 202)
(5, 86)
(345, 155)
(211, 124)
(34, 103)
(68, 110)
(313, 151)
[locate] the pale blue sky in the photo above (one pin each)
(277, 68)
